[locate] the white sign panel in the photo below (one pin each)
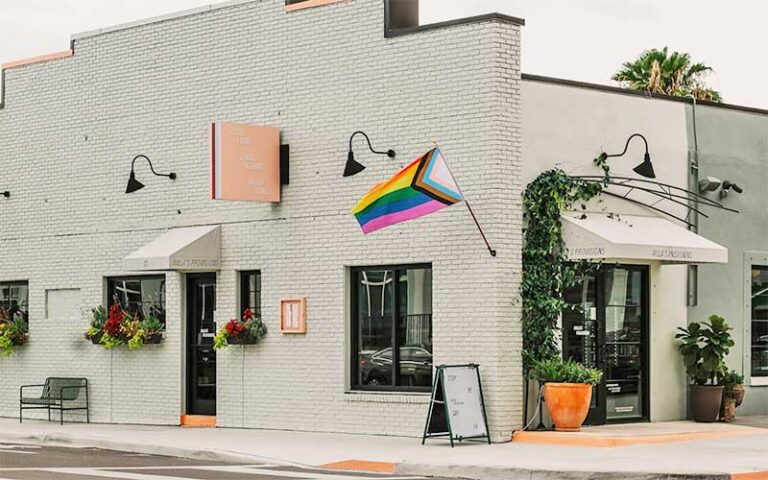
(464, 403)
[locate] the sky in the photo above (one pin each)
(584, 40)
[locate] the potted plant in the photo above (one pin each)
(246, 331)
(13, 331)
(733, 395)
(567, 391)
(96, 330)
(152, 329)
(703, 349)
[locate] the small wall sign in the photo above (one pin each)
(293, 315)
(245, 162)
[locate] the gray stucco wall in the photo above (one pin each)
(733, 146)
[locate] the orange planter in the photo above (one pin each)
(568, 404)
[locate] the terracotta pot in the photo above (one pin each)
(738, 394)
(567, 404)
(705, 402)
(728, 410)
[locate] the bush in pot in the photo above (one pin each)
(733, 395)
(567, 391)
(704, 347)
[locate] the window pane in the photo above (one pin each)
(760, 321)
(414, 330)
(251, 293)
(375, 317)
(14, 299)
(141, 297)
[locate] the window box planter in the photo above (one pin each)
(118, 328)
(247, 331)
(153, 339)
(247, 340)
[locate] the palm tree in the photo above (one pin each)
(658, 71)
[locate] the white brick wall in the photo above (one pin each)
(70, 128)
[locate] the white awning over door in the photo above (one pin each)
(186, 249)
(619, 237)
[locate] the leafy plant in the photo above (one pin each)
(13, 331)
(730, 380)
(546, 270)
(151, 325)
(6, 346)
(704, 349)
(558, 371)
(109, 341)
(659, 71)
(248, 329)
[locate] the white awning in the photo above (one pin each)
(602, 236)
(185, 249)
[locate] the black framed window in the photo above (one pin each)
(250, 293)
(392, 328)
(142, 297)
(14, 299)
(759, 316)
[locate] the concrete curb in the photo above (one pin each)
(80, 441)
(506, 473)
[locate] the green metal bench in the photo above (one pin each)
(58, 393)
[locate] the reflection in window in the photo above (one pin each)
(14, 301)
(759, 309)
(392, 328)
(142, 297)
(250, 293)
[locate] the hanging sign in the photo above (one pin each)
(245, 162)
(457, 408)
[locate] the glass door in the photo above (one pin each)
(609, 330)
(201, 357)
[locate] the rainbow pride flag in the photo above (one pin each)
(423, 187)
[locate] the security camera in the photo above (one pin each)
(727, 187)
(709, 184)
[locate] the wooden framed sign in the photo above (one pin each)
(457, 407)
(293, 315)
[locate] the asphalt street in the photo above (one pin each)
(22, 462)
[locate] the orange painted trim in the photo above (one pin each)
(310, 4)
(362, 466)
(197, 421)
(595, 441)
(38, 59)
(750, 476)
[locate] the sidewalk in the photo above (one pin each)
(738, 451)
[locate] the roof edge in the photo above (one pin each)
(500, 17)
(638, 93)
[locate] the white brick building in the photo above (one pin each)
(70, 125)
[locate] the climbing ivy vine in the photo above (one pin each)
(546, 270)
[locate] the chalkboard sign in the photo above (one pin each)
(457, 408)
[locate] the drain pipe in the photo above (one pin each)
(693, 186)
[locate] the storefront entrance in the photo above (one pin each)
(201, 357)
(609, 331)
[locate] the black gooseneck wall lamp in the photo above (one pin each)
(645, 169)
(354, 167)
(133, 184)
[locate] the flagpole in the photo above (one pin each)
(471, 212)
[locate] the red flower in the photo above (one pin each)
(247, 315)
(235, 328)
(114, 320)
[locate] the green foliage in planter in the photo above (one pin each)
(558, 371)
(98, 319)
(13, 332)
(546, 270)
(704, 349)
(730, 380)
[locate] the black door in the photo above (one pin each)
(610, 332)
(201, 357)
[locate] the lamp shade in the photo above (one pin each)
(645, 169)
(133, 184)
(353, 167)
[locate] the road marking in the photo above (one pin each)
(3, 450)
(301, 474)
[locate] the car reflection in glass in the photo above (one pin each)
(415, 367)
